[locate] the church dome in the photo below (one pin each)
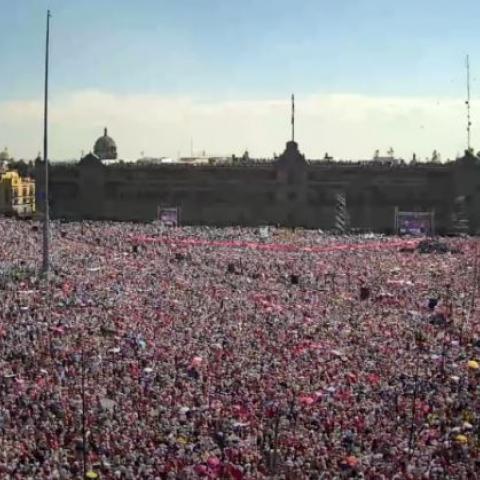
(105, 147)
(4, 156)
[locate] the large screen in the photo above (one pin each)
(168, 217)
(414, 223)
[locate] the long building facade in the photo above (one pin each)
(288, 191)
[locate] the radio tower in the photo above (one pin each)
(469, 123)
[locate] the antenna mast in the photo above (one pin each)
(293, 117)
(46, 213)
(469, 123)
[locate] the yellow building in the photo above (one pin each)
(17, 195)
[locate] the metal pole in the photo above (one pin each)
(411, 439)
(84, 433)
(46, 218)
(449, 317)
(469, 123)
(275, 442)
(475, 279)
(293, 117)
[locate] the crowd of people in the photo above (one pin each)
(203, 353)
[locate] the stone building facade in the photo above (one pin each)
(287, 191)
(17, 195)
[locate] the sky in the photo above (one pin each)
(218, 75)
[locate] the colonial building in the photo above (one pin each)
(288, 190)
(17, 195)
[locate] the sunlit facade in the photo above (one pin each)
(17, 195)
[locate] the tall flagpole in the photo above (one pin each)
(469, 123)
(46, 218)
(293, 117)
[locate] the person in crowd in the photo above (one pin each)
(189, 353)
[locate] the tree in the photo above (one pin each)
(20, 166)
(390, 152)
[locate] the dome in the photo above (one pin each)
(105, 147)
(4, 156)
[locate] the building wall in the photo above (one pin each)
(289, 192)
(17, 195)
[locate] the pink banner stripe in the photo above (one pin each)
(276, 247)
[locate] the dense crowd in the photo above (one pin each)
(200, 353)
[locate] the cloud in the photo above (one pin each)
(346, 126)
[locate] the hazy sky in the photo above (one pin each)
(367, 74)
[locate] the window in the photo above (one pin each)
(312, 198)
(179, 195)
(292, 196)
(205, 196)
